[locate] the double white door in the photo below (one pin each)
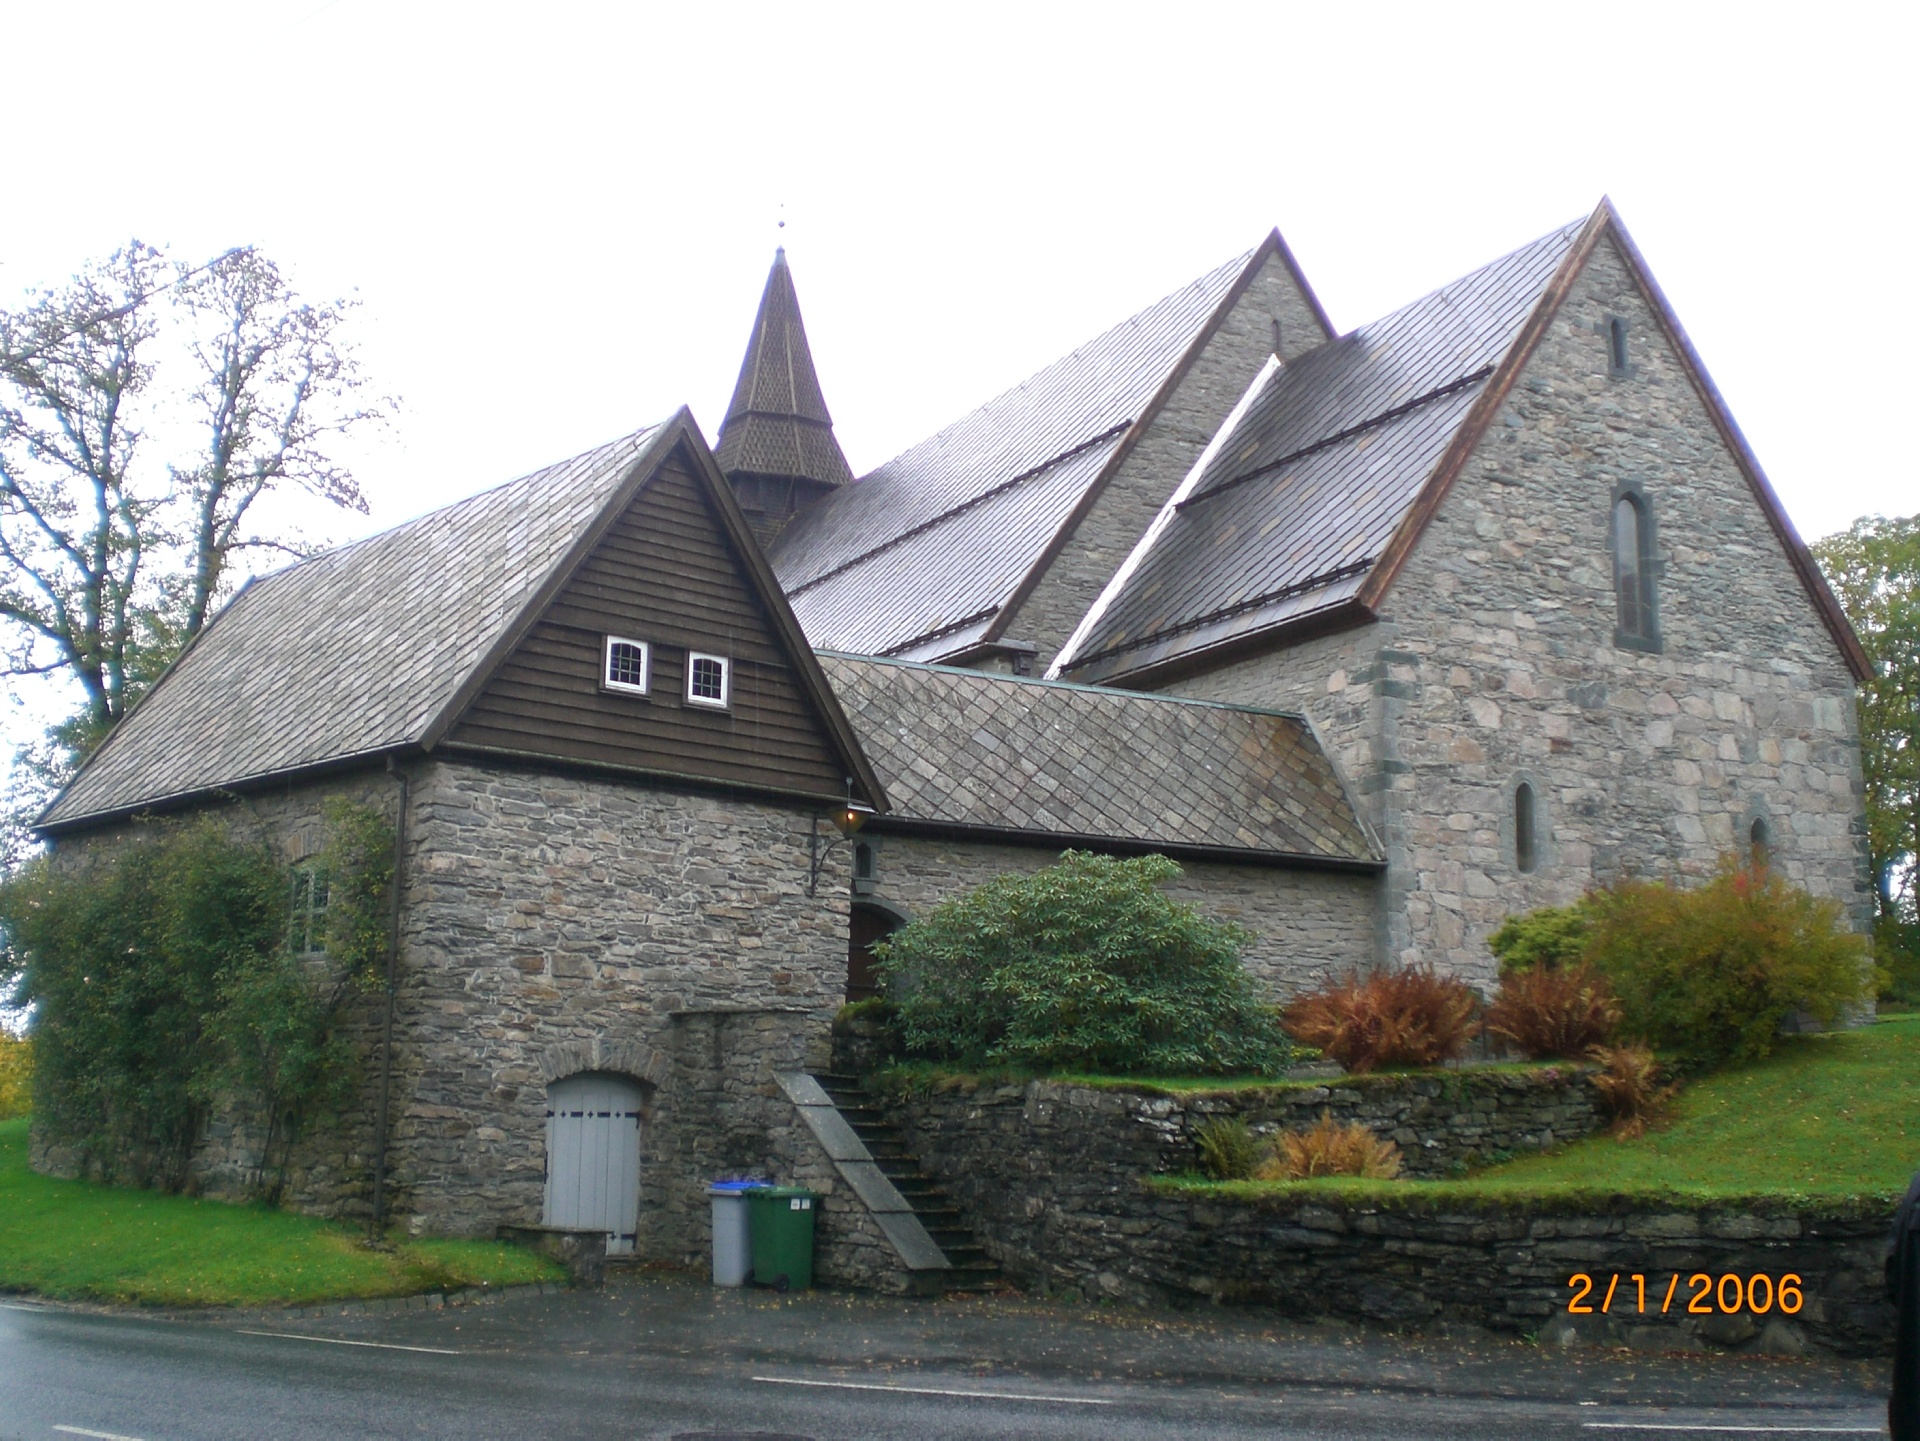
(593, 1158)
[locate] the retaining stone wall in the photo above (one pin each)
(1055, 1181)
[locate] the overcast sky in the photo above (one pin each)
(558, 217)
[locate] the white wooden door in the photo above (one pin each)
(593, 1158)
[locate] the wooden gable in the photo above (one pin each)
(666, 571)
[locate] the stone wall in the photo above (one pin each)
(557, 923)
(1072, 1136)
(1494, 663)
(1307, 925)
(1057, 1181)
(1121, 513)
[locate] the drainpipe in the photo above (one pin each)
(386, 1029)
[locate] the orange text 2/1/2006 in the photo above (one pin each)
(1705, 1295)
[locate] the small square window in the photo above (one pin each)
(627, 663)
(709, 680)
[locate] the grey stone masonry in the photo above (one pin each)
(1495, 662)
(1307, 925)
(1058, 1181)
(558, 923)
(1271, 308)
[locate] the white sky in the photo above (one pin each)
(559, 217)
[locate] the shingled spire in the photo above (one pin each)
(777, 446)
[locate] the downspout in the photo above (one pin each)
(386, 1029)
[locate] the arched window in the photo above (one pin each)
(1759, 846)
(1526, 847)
(1633, 593)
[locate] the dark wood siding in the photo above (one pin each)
(664, 573)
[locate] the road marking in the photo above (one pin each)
(937, 1391)
(96, 1435)
(336, 1341)
(9, 1306)
(1744, 1430)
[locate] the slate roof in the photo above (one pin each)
(353, 651)
(777, 423)
(967, 512)
(1291, 506)
(966, 749)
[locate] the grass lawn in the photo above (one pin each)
(75, 1239)
(924, 1076)
(1825, 1117)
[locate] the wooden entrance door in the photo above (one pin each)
(867, 925)
(593, 1158)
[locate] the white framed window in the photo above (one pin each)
(627, 665)
(709, 680)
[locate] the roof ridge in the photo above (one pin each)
(1235, 265)
(1046, 683)
(639, 436)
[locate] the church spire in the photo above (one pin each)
(776, 446)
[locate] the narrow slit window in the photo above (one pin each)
(1617, 345)
(1633, 574)
(1525, 846)
(1759, 850)
(709, 680)
(627, 665)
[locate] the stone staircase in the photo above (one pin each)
(972, 1269)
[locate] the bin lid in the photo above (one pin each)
(734, 1188)
(781, 1193)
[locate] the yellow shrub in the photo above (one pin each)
(16, 1071)
(1329, 1148)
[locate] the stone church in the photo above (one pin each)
(1383, 635)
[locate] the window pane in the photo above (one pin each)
(1626, 566)
(626, 664)
(1523, 843)
(709, 680)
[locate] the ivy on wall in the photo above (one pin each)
(189, 970)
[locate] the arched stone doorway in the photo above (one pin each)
(870, 921)
(593, 1158)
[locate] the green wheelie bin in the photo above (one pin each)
(781, 1220)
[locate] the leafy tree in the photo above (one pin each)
(147, 408)
(1086, 964)
(1875, 569)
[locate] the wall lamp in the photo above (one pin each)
(847, 820)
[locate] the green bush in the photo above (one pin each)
(165, 979)
(1228, 1148)
(1710, 974)
(16, 1076)
(1551, 937)
(1083, 965)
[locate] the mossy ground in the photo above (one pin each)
(1825, 1119)
(79, 1240)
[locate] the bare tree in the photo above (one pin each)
(112, 558)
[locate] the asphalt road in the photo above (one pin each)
(669, 1359)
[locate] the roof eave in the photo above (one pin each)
(1165, 669)
(934, 828)
(246, 785)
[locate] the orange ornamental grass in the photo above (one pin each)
(1407, 1017)
(1554, 1011)
(1629, 1083)
(1329, 1148)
